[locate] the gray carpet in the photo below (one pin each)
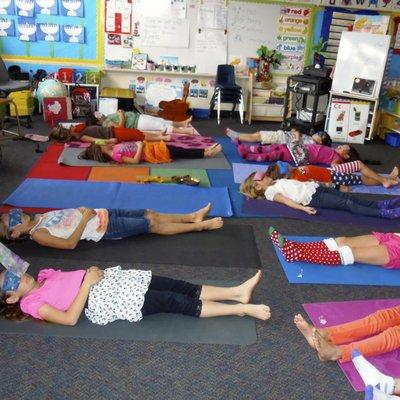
(278, 366)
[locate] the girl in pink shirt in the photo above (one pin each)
(115, 294)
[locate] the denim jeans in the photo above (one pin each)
(331, 198)
(125, 223)
(166, 295)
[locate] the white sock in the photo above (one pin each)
(371, 375)
(373, 393)
(232, 134)
(331, 244)
(346, 254)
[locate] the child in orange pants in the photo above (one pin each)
(375, 334)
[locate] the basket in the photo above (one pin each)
(392, 139)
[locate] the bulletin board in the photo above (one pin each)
(212, 32)
(77, 41)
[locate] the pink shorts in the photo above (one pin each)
(392, 243)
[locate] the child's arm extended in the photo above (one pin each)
(292, 204)
(71, 316)
(45, 238)
(138, 155)
(90, 139)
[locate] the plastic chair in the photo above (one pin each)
(227, 91)
(7, 86)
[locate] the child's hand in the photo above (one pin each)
(112, 141)
(93, 275)
(86, 212)
(310, 210)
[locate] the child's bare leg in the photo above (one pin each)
(196, 216)
(372, 176)
(182, 124)
(215, 309)
(307, 330)
(376, 255)
(395, 173)
(242, 293)
(326, 351)
(357, 241)
(173, 228)
(183, 131)
(156, 136)
(246, 137)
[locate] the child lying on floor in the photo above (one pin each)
(339, 175)
(376, 249)
(280, 137)
(152, 152)
(115, 294)
(297, 153)
(63, 229)
(143, 122)
(307, 196)
(375, 334)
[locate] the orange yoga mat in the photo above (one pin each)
(117, 174)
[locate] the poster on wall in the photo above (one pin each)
(212, 14)
(291, 41)
(7, 8)
(118, 16)
(25, 8)
(73, 34)
(384, 5)
(27, 29)
(48, 32)
(377, 24)
(47, 7)
(72, 8)
(7, 27)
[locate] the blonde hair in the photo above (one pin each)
(247, 188)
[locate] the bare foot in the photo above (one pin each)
(199, 215)
(246, 289)
(395, 173)
(259, 311)
(211, 224)
(325, 350)
(213, 150)
(387, 183)
(305, 328)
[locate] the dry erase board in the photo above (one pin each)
(360, 55)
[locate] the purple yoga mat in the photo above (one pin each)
(339, 312)
(271, 209)
(242, 171)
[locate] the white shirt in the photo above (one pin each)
(119, 295)
(62, 223)
(300, 192)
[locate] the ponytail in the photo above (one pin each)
(11, 312)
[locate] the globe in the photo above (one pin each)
(50, 88)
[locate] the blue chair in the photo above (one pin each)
(226, 91)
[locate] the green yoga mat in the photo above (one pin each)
(153, 328)
(194, 173)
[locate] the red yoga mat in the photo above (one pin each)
(47, 167)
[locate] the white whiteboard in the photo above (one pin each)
(360, 55)
(249, 26)
(164, 32)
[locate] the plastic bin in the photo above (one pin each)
(125, 97)
(392, 139)
(201, 113)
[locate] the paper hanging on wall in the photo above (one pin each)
(7, 27)
(46, 7)
(210, 50)
(48, 32)
(73, 34)
(72, 8)
(212, 14)
(7, 8)
(178, 8)
(118, 16)
(377, 24)
(160, 8)
(25, 8)
(165, 32)
(27, 29)
(157, 92)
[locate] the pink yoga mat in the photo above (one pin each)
(339, 312)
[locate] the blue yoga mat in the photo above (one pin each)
(242, 171)
(394, 190)
(48, 193)
(356, 274)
